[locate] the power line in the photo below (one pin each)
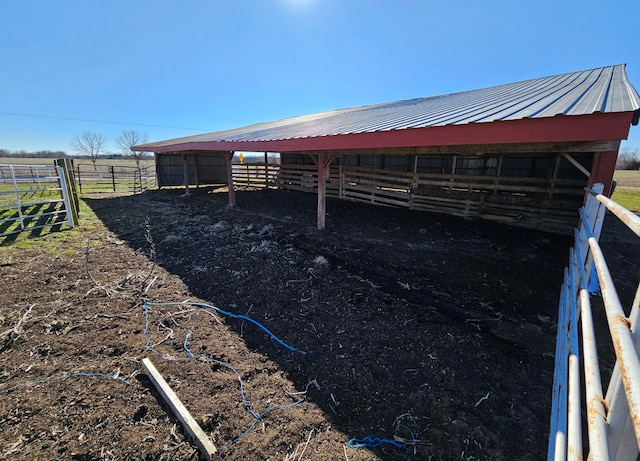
(15, 114)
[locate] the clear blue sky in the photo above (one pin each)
(218, 64)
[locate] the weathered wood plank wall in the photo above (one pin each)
(547, 204)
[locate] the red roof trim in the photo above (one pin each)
(592, 127)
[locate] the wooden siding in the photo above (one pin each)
(202, 167)
(546, 198)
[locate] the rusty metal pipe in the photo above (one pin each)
(626, 354)
(596, 410)
(558, 435)
(631, 219)
(574, 416)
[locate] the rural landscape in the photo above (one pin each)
(390, 335)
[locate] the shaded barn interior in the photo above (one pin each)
(520, 153)
(536, 190)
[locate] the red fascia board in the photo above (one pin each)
(593, 127)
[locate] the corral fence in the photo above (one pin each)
(35, 196)
(255, 175)
(612, 418)
(541, 203)
(114, 178)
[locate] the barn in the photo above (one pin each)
(520, 153)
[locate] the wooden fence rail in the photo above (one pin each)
(547, 204)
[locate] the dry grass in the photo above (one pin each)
(627, 178)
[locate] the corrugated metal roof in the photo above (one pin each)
(601, 90)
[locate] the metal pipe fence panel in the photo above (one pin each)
(32, 197)
(613, 422)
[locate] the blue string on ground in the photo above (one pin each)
(257, 417)
(374, 442)
(228, 314)
(191, 356)
(64, 376)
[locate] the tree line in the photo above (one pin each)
(628, 159)
(35, 154)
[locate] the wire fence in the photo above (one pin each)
(114, 178)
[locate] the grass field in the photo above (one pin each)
(627, 191)
(627, 178)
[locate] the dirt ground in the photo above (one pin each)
(432, 330)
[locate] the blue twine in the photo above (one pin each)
(229, 314)
(64, 376)
(257, 417)
(191, 356)
(374, 442)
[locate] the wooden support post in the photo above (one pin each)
(232, 194)
(195, 170)
(185, 174)
(322, 197)
(604, 165)
(190, 425)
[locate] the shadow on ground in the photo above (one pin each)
(432, 329)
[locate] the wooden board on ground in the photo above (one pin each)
(191, 426)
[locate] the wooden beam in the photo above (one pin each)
(559, 129)
(190, 425)
(232, 194)
(575, 163)
(484, 149)
(604, 165)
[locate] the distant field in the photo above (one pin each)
(76, 161)
(627, 178)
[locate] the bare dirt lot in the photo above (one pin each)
(435, 331)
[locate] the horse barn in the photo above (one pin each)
(520, 153)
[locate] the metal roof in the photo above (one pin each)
(600, 90)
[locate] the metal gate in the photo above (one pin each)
(33, 197)
(612, 419)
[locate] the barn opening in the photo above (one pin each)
(520, 153)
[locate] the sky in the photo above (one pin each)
(172, 68)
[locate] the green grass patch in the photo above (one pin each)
(628, 197)
(59, 237)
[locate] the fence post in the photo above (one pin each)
(64, 188)
(79, 179)
(15, 188)
(113, 178)
(68, 186)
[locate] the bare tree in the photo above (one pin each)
(628, 159)
(89, 144)
(128, 139)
